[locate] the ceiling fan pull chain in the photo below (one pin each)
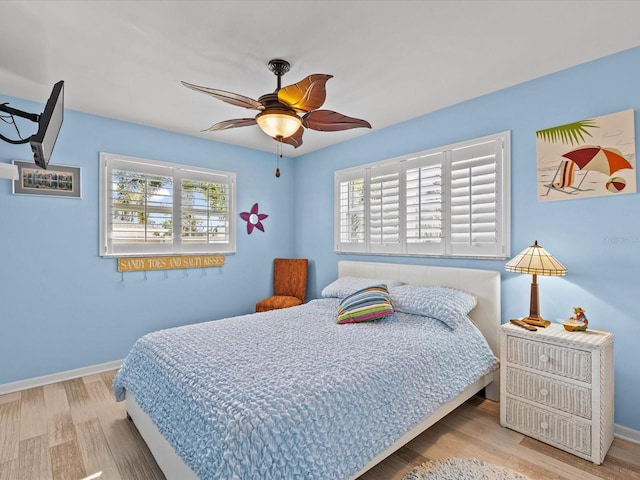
(278, 155)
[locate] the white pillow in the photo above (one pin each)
(345, 286)
(449, 305)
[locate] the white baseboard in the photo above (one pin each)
(625, 433)
(58, 377)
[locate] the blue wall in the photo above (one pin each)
(63, 307)
(598, 239)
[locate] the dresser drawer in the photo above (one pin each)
(550, 392)
(548, 426)
(546, 357)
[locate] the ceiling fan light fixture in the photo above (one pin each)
(278, 122)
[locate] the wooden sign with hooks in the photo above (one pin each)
(138, 264)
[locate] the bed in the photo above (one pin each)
(298, 396)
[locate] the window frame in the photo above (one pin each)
(178, 173)
(444, 159)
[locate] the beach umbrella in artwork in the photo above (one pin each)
(599, 159)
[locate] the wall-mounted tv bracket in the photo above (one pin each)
(34, 117)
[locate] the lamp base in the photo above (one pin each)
(537, 321)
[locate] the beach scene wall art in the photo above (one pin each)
(588, 158)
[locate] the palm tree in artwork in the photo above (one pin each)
(567, 133)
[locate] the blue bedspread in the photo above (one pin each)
(290, 394)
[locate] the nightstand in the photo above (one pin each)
(557, 387)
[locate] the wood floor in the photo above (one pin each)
(75, 429)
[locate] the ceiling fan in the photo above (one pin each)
(279, 110)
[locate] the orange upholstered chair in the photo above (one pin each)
(289, 284)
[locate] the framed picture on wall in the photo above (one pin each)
(55, 181)
(593, 157)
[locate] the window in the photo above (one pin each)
(452, 201)
(149, 207)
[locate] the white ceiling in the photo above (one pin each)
(391, 60)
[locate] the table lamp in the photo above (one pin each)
(535, 260)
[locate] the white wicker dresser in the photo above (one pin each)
(557, 387)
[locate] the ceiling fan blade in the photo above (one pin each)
(227, 124)
(295, 139)
(329, 121)
(306, 95)
(228, 97)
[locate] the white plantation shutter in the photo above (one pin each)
(159, 208)
(141, 207)
(475, 199)
(350, 206)
(205, 211)
(384, 208)
(451, 201)
(424, 205)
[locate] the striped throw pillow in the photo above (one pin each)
(368, 304)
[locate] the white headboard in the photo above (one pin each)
(484, 284)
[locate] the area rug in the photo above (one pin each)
(462, 469)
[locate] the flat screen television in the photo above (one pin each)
(49, 123)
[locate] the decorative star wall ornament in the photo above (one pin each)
(253, 219)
